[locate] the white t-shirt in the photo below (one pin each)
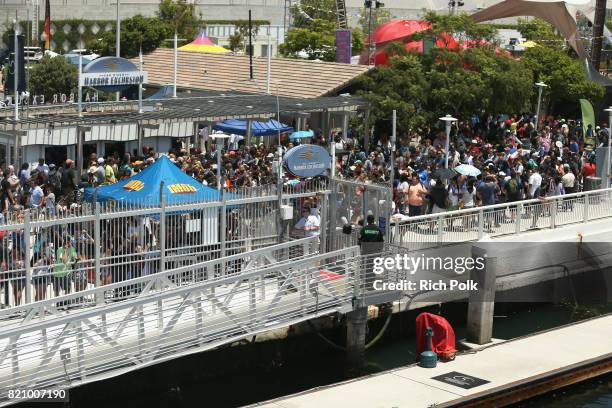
(306, 223)
(568, 180)
(467, 197)
(535, 181)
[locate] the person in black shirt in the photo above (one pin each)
(438, 198)
(371, 241)
(371, 237)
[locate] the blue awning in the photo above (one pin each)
(143, 189)
(238, 127)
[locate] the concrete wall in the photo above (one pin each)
(273, 10)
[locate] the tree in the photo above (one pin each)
(53, 76)
(460, 26)
(307, 11)
(509, 83)
(148, 31)
(564, 76)
(379, 16)
(540, 31)
(180, 16)
(401, 85)
(318, 41)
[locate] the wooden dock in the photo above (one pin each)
(492, 376)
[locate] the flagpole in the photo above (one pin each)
(118, 35)
(16, 68)
(174, 74)
(140, 83)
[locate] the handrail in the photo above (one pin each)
(503, 205)
(50, 303)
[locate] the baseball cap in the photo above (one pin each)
(100, 160)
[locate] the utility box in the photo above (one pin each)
(286, 212)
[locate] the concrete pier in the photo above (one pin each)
(494, 375)
(355, 338)
(482, 302)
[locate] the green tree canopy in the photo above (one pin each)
(181, 16)
(564, 75)
(317, 41)
(148, 31)
(53, 76)
(540, 31)
(461, 26)
(458, 82)
(401, 85)
(314, 32)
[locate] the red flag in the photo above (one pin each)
(47, 26)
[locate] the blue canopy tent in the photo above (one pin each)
(238, 127)
(142, 189)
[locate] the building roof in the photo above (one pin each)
(294, 78)
(192, 109)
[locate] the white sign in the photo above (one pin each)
(97, 79)
(36, 100)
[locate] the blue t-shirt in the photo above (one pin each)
(37, 196)
(487, 193)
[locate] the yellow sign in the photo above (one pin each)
(182, 189)
(134, 185)
(307, 154)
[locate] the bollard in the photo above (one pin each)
(428, 359)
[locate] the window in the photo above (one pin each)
(264, 50)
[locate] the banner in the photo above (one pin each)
(10, 80)
(588, 118)
(98, 79)
(343, 46)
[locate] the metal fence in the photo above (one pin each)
(44, 255)
(502, 219)
(66, 350)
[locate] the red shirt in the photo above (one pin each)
(588, 170)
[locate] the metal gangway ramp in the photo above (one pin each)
(64, 342)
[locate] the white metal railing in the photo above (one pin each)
(231, 265)
(69, 349)
(502, 219)
(115, 242)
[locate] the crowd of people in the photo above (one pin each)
(510, 158)
(498, 159)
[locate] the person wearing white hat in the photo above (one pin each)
(100, 174)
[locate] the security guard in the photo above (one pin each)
(371, 237)
(371, 242)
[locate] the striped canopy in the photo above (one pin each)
(203, 44)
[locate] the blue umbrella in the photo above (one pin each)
(301, 134)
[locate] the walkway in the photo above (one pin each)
(455, 382)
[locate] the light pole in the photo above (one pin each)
(219, 141)
(175, 63)
(541, 85)
(605, 175)
(118, 37)
(16, 68)
(448, 120)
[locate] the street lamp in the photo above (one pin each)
(219, 141)
(118, 37)
(448, 120)
(605, 175)
(541, 85)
